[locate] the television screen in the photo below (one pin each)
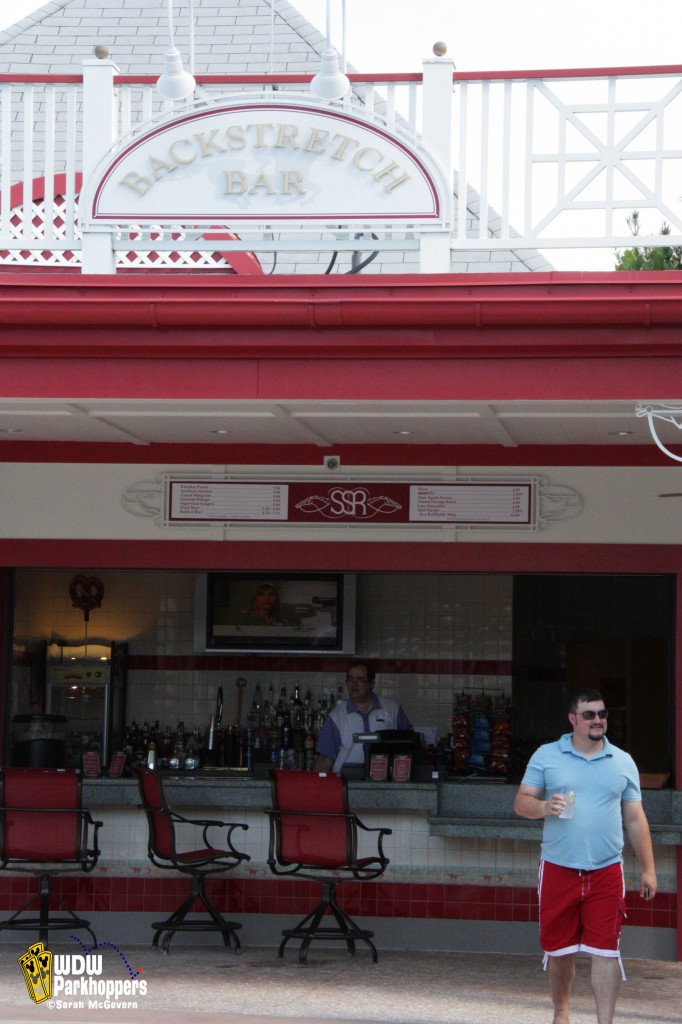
(276, 612)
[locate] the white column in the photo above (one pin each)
(99, 132)
(437, 105)
(434, 252)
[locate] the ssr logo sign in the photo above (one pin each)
(348, 504)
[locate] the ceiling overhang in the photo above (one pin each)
(503, 361)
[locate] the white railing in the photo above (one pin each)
(563, 158)
(550, 160)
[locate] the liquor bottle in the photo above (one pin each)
(192, 750)
(285, 734)
(263, 732)
(152, 751)
(140, 749)
(309, 751)
(298, 734)
(167, 748)
(340, 695)
(274, 734)
(220, 748)
(128, 746)
(179, 745)
(257, 705)
(231, 750)
(321, 712)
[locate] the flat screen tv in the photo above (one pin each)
(275, 612)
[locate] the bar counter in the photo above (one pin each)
(236, 789)
(462, 870)
(480, 809)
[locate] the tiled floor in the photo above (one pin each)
(209, 985)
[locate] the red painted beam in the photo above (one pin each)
(363, 377)
(352, 456)
(341, 556)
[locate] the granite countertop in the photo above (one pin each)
(467, 808)
(487, 811)
(235, 788)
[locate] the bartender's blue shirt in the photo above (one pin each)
(593, 837)
(336, 737)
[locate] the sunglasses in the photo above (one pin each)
(589, 715)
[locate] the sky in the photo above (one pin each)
(490, 35)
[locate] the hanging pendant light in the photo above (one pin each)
(175, 83)
(330, 83)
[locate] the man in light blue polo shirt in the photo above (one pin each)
(364, 711)
(584, 788)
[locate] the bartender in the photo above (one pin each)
(364, 711)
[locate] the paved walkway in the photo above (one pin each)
(209, 985)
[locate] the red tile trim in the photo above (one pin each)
(293, 897)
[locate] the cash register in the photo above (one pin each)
(390, 754)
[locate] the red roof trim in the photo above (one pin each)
(376, 77)
(476, 302)
(531, 336)
(27, 79)
(266, 79)
(620, 72)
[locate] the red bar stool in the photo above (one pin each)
(314, 835)
(198, 864)
(45, 831)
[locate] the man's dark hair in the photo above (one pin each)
(368, 667)
(582, 695)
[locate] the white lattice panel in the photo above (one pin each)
(60, 252)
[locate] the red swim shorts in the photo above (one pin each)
(581, 911)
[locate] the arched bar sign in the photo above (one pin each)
(268, 162)
(468, 503)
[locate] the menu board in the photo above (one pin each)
(470, 503)
(220, 501)
(485, 503)
(91, 764)
(118, 763)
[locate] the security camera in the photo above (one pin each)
(332, 462)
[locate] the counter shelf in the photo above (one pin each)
(456, 809)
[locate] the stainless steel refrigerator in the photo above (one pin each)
(90, 693)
